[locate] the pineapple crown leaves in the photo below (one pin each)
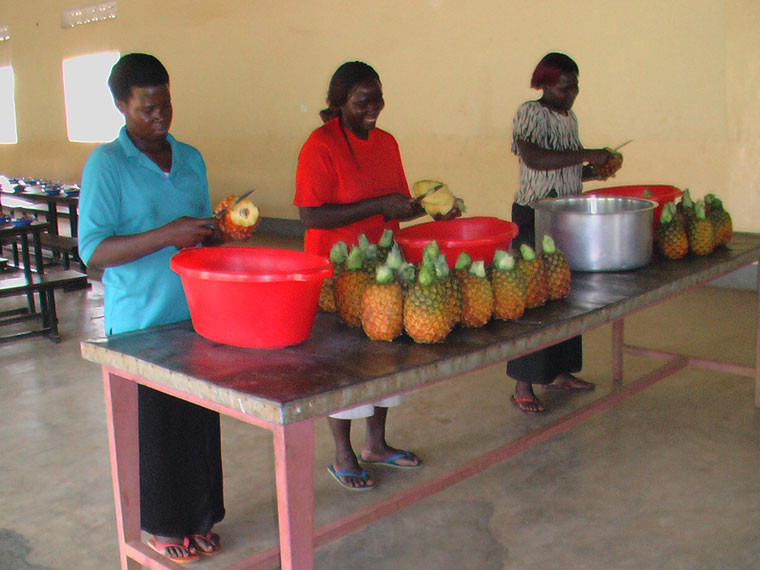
(463, 261)
(395, 260)
(364, 242)
(426, 275)
(368, 249)
(355, 259)
(386, 240)
(668, 213)
(431, 252)
(384, 274)
(503, 261)
(527, 252)
(478, 269)
(699, 209)
(339, 252)
(459, 204)
(406, 272)
(547, 245)
(686, 200)
(442, 270)
(713, 201)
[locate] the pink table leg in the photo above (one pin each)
(294, 468)
(617, 350)
(121, 412)
(757, 348)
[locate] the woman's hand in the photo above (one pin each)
(400, 207)
(455, 212)
(187, 232)
(597, 156)
(180, 233)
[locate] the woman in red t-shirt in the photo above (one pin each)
(350, 181)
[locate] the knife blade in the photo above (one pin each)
(427, 193)
(618, 147)
(239, 199)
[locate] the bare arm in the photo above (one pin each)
(182, 232)
(538, 158)
(391, 206)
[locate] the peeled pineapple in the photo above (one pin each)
(438, 203)
(239, 221)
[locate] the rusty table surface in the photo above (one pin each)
(338, 367)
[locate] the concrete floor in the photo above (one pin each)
(668, 479)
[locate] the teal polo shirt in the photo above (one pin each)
(123, 192)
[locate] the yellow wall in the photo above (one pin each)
(680, 77)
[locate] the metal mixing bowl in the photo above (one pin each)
(598, 233)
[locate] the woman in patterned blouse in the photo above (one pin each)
(553, 163)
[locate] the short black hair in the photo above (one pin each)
(135, 70)
(551, 66)
(343, 81)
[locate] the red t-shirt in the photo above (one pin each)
(329, 174)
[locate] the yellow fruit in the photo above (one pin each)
(671, 234)
(349, 288)
(439, 202)
(557, 270)
(531, 268)
(240, 220)
(382, 307)
(508, 288)
(425, 316)
(700, 231)
(477, 296)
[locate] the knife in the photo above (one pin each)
(618, 147)
(427, 193)
(240, 198)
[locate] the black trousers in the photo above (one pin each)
(180, 465)
(542, 366)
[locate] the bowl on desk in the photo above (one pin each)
(19, 188)
(5, 219)
(71, 192)
(52, 191)
(249, 296)
(478, 236)
(21, 222)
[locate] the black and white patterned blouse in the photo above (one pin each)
(543, 127)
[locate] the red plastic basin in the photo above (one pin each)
(660, 193)
(251, 297)
(480, 237)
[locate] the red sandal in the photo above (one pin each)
(210, 538)
(520, 404)
(163, 549)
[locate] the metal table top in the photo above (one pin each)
(338, 367)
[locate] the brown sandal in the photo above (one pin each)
(209, 538)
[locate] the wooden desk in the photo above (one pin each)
(34, 281)
(35, 194)
(286, 390)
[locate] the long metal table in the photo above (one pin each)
(286, 390)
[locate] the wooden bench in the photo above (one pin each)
(64, 246)
(44, 286)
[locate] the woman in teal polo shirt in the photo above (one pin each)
(145, 196)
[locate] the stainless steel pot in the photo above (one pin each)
(598, 233)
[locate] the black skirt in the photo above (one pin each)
(566, 357)
(180, 466)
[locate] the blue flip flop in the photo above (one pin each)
(392, 461)
(363, 476)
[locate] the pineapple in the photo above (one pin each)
(338, 255)
(557, 270)
(425, 317)
(382, 306)
(700, 231)
(508, 287)
(453, 303)
(477, 296)
(686, 206)
(533, 273)
(720, 219)
(239, 221)
(349, 287)
(671, 234)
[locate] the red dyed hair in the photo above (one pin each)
(551, 66)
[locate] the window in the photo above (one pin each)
(8, 134)
(91, 115)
